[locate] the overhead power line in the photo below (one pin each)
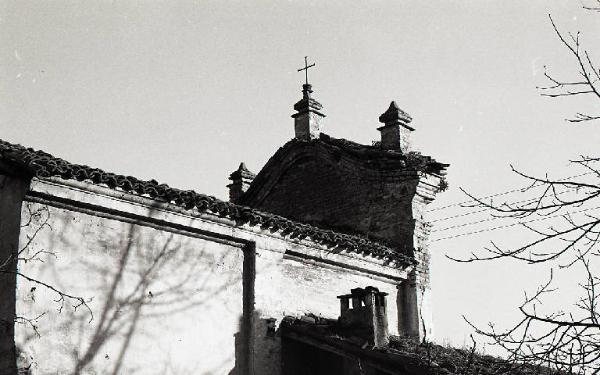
(459, 215)
(488, 208)
(505, 193)
(467, 224)
(511, 225)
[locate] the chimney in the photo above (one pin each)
(367, 316)
(395, 133)
(240, 182)
(308, 118)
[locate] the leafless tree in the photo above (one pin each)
(585, 82)
(566, 340)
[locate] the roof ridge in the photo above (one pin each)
(40, 164)
(410, 160)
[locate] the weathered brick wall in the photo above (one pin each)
(339, 194)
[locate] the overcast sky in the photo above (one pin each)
(182, 91)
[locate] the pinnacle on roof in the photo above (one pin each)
(307, 102)
(242, 172)
(308, 116)
(241, 179)
(395, 115)
(395, 132)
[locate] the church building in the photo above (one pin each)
(318, 264)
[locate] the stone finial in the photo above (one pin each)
(308, 117)
(241, 179)
(395, 115)
(367, 317)
(395, 133)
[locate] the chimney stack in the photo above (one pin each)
(366, 316)
(395, 133)
(308, 118)
(240, 182)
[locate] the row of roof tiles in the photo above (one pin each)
(35, 163)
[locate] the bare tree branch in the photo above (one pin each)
(588, 80)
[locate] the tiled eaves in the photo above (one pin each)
(35, 163)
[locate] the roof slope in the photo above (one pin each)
(32, 163)
(405, 355)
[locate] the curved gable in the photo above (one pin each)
(345, 186)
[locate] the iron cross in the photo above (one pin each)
(306, 66)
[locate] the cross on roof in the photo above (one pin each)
(306, 66)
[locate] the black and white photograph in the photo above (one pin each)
(299, 187)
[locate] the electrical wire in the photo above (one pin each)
(511, 225)
(505, 193)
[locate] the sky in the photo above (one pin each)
(183, 91)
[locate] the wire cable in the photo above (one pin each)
(489, 208)
(505, 193)
(512, 224)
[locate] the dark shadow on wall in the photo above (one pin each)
(145, 276)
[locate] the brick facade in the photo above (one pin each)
(319, 183)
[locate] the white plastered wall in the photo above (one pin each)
(166, 285)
